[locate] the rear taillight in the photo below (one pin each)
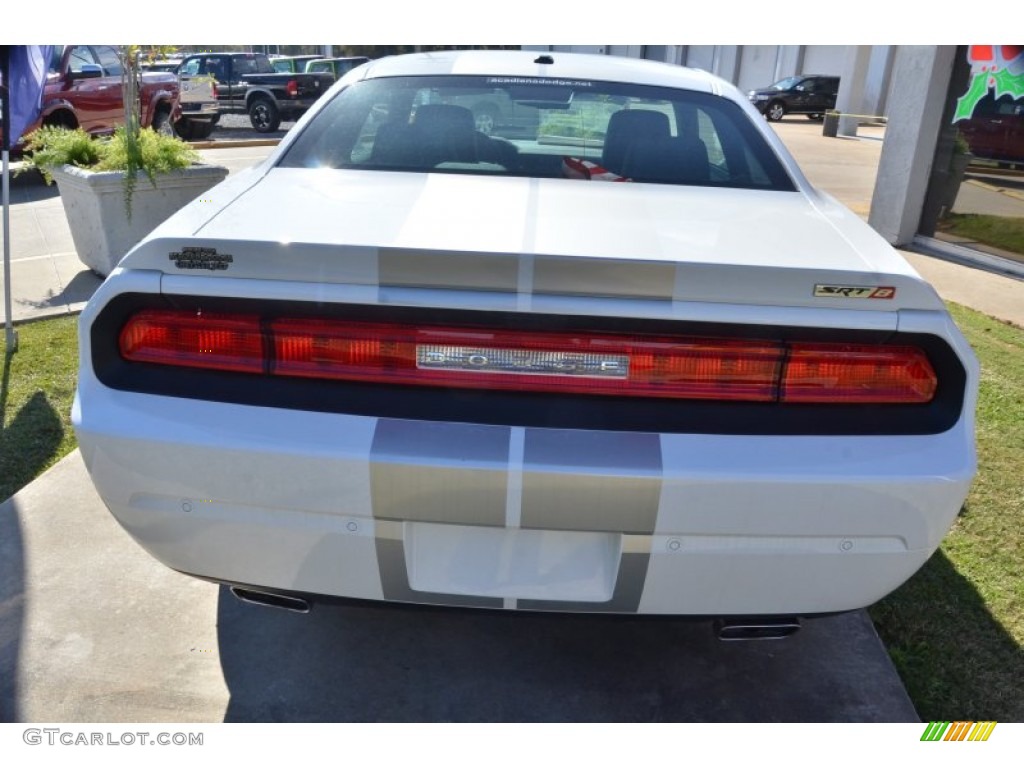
(850, 373)
(219, 342)
(292, 88)
(543, 362)
(538, 361)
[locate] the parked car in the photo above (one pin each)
(496, 114)
(811, 95)
(161, 64)
(996, 130)
(337, 67)
(200, 110)
(405, 360)
(247, 83)
(292, 63)
(83, 89)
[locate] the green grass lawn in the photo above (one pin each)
(955, 630)
(1000, 231)
(37, 386)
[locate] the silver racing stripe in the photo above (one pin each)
(629, 587)
(526, 274)
(448, 473)
(439, 472)
(604, 277)
(591, 481)
(443, 269)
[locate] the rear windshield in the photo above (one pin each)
(539, 128)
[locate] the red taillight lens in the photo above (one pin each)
(847, 373)
(292, 88)
(222, 342)
(540, 361)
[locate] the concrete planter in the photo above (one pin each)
(95, 207)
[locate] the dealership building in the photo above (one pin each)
(952, 163)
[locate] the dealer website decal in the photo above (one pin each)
(958, 731)
(1000, 67)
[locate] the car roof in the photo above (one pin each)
(526, 64)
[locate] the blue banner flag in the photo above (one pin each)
(28, 67)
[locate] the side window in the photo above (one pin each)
(216, 67)
(108, 59)
(80, 56)
(190, 68)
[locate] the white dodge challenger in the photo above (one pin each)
(607, 352)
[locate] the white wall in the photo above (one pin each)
(700, 57)
(757, 66)
(753, 66)
(824, 59)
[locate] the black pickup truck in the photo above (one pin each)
(247, 83)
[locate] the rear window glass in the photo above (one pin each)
(541, 128)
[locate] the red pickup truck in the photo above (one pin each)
(83, 89)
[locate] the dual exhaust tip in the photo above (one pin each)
(725, 629)
(756, 629)
(271, 599)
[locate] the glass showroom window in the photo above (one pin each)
(976, 190)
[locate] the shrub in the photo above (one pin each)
(151, 153)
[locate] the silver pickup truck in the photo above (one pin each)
(200, 109)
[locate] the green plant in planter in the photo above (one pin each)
(130, 150)
(960, 145)
(147, 151)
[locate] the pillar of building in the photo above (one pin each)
(920, 79)
(876, 87)
(727, 62)
(789, 61)
(851, 87)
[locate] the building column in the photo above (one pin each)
(851, 87)
(920, 79)
(727, 62)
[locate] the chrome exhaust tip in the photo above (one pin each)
(271, 600)
(756, 629)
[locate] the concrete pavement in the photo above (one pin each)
(93, 629)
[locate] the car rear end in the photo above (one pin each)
(581, 396)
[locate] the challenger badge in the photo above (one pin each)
(191, 257)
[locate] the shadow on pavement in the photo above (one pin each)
(39, 420)
(12, 608)
(81, 288)
(28, 187)
(380, 663)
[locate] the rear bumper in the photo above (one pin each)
(521, 518)
(200, 112)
